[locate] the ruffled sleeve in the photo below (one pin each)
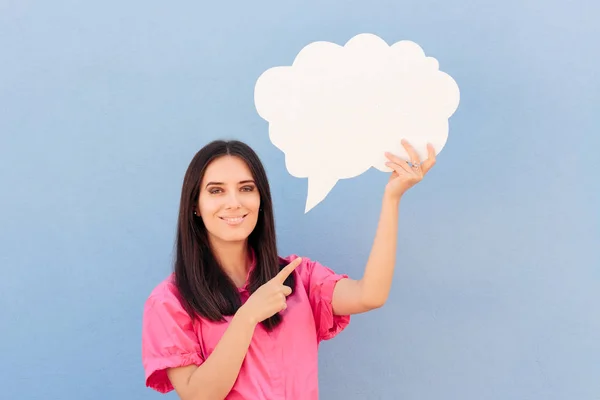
(168, 339)
(320, 282)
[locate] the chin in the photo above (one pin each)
(234, 238)
(229, 236)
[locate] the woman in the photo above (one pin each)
(235, 320)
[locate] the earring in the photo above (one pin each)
(195, 213)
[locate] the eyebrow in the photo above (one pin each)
(222, 183)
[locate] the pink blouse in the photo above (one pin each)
(281, 364)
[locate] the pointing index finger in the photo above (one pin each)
(287, 270)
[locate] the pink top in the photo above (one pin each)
(281, 364)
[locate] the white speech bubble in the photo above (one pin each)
(337, 109)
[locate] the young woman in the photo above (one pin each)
(236, 321)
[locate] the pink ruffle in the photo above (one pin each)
(329, 325)
(157, 378)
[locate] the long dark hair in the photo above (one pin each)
(205, 289)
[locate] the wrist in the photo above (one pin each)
(392, 199)
(243, 316)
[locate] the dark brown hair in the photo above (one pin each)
(205, 289)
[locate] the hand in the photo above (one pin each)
(407, 175)
(270, 298)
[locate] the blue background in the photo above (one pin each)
(103, 105)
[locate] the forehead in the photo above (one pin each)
(227, 169)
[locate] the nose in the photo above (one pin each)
(232, 201)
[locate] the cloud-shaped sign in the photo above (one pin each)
(337, 109)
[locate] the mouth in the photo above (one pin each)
(234, 220)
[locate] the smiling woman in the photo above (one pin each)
(235, 320)
(229, 199)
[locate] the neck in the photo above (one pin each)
(233, 258)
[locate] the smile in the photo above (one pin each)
(234, 220)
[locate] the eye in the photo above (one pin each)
(248, 188)
(214, 190)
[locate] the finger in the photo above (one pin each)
(427, 164)
(395, 159)
(414, 157)
(400, 169)
(287, 270)
(286, 290)
(282, 302)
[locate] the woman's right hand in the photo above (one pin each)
(270, 298)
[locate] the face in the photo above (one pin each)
(229, 201)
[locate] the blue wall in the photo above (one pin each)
(497, 288)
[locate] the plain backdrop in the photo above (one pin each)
(497, 287)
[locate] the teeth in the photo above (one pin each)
(234, 220)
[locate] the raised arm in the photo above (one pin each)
(371, 291)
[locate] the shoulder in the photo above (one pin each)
(164, 313)
(305, 264)
(307, 269)
(165, 288)
(312, 272)
(164, 294)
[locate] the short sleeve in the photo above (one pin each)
(320, 282)
(168, 340)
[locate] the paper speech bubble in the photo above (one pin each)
(337, 109)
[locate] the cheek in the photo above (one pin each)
(208, 206)
(254, 202)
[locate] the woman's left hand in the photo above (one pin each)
(407, 175)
